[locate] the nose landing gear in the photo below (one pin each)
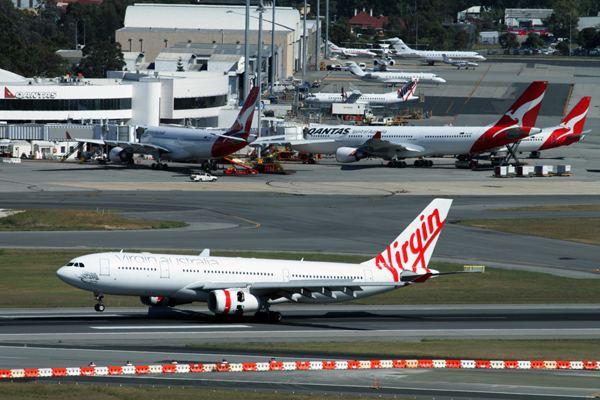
(99, 307)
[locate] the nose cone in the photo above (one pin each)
(440, 80)
(63, 274)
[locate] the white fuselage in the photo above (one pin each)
(438, 55)
(373, 98)
(425, 141)
(400, 77)
(183, 277)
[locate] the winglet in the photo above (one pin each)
(205, 253)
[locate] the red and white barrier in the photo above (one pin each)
(273, 365)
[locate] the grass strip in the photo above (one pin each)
(586, 207)
(77, 220)
(66, 391)
(535, 349)
(29, 280)
(583, 230)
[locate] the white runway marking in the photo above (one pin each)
(170, 327)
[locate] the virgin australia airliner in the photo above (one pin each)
(237, 286)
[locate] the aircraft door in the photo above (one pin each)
(286, 275)
(164, 269)
(104, 267)
(368, 275)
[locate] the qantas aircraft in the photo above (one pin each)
(352, 144)
(182, 144)
(431, 57)
(407, 93)
(349, 52)
(236, 286)
(569, 131)
(392, 77)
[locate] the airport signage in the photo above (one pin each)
(28, 95)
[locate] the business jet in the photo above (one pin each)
(407, 93)
(237, 286)
(431, 56)
(459, 63)
(351, 144)
(569, 131)
(183, 144)
(343, 51)
(392, 77)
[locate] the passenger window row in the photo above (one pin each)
(324, 277)
(138, 268)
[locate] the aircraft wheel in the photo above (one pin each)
(99, 307)
(418, 163)
(153, 166)
(275, 317)
(403, 164)
(165, 167)
(391, 164)
(261, 317)
(429, 163)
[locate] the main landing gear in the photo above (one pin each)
(158, 166)
(265, 316)
(420, 163)
(396, 164)
(99, 307)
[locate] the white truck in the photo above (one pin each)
(203, 177)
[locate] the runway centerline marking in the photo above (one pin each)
(170, 327)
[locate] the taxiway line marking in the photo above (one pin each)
(170, 327)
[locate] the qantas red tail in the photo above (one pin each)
(576, 118)
(525, 110)
(244, 119)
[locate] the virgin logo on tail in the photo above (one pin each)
(8, 94)
(412, 249)
(408, 89)
(246, 115)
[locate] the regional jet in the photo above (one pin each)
(342, 51)
(432, 56)
(407, 93)
(184, 144)
(457, 63)
(392, 77)
(238, 286)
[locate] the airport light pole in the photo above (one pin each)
(260, 10)
(318, 44)
(326, 29)
(304, 52)
(246, 85)
(273, 48)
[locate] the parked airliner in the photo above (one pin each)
(351, 144)
(407, 93)
(343, 51)
(236, 286)
(183, 144)
(392, 77)
(569, 131)
(432, 56)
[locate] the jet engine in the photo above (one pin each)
(391, 62)
(349, 154)
(120, 155)
(162, 301)
(376, 62)
(232, 301)
(155, 301)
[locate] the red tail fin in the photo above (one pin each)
(525, 110)
(244, 119)
(576, 118)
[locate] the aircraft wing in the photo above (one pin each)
(378, 145)
(136, 147)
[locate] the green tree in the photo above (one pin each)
(462, 40)
(563, 23)
(180, 65)
(508, 41)
(589, 38)
(99, 58)
(340, 32)
(534, 41)
(563, 47)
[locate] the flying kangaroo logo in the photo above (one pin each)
(241, 120)
(517, 116)
(8, 94)
(396, 257)
(573, 121)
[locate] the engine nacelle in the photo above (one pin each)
(391, 62)
(120, 155)
(349, 154)
(232, 301)
(376, 62)
(155, 301)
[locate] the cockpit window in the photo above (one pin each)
(69, 264)
(81, 265)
